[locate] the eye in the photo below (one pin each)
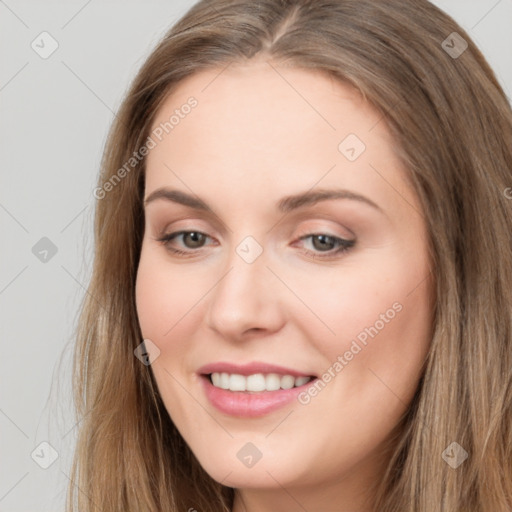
(190, 239)
(328, 244)
(323, 245)
(193, 239)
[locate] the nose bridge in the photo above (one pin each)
(246, 296)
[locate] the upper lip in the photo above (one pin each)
(250, 369)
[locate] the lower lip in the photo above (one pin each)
(249, 404)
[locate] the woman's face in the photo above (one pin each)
(304, 256)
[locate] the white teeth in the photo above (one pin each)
(300, 381)
(272, 382)
(237, 382)
(216, 378)
(287, 381)
(256, 382)
(224, 380)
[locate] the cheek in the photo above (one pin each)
(169, 307)
(344, 303)
(394, 342)
(377, 315)
(165, 298)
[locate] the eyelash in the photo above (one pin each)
(343, 244)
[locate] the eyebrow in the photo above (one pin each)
(285, 205)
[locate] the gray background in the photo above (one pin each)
(54, 118)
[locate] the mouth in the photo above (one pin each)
(252, 390)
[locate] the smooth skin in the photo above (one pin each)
(260, 132)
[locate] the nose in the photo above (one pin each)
(246, 300)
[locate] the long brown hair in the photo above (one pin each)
(452, 125)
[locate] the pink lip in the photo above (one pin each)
(249, 369)
(245, 403)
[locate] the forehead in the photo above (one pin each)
(247, 99)
(262, 125)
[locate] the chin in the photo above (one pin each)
(241, 466)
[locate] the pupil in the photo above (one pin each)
(195, 237)
(323, 239)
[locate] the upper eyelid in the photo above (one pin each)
(300, 220)
(198, 216)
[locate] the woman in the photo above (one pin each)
(302, 287)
